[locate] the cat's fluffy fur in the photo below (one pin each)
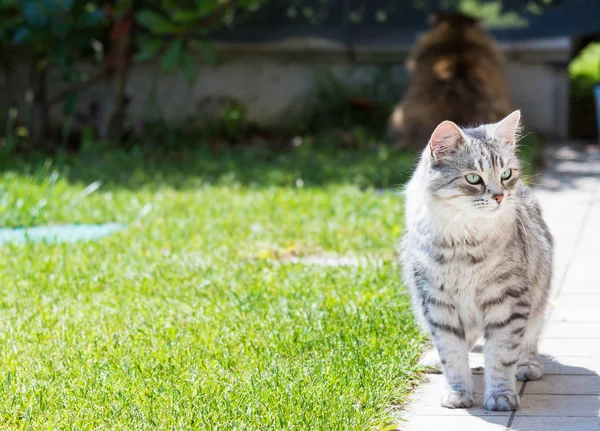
(476, 267)
(457, 75)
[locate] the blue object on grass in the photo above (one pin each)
(58, 233)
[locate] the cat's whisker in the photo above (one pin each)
(446, 230)
(522, 225)
(531, 176)
(464, 245)
(439, 213)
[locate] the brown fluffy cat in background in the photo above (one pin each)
(456, 74)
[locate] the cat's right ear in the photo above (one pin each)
(445, 140)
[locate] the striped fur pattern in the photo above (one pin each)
(477, 259)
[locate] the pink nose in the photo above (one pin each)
(498, 198)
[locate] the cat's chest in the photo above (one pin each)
(464, 275)
(464, 268)
(466, 304)
(460, 277)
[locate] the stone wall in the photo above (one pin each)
(274, 82)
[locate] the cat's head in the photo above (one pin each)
(453, 19)
(456, 46)
(475, 170)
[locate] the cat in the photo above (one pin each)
(456, 73)
(477, 258)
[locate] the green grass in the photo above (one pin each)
(188, 319)
(192, 318)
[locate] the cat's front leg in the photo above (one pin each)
(503, 340)
(449, 340)
(529, 366)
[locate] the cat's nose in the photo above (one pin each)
(498, 198)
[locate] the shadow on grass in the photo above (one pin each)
(259, 166)
(306, 165)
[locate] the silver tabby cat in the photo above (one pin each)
(477, 257)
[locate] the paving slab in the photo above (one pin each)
(572, 330)
(570, 347)
(571, 365)
(576, 308)
(583, 275)
(564, 385)
(555, 424)
(559, 406)
(458, 423)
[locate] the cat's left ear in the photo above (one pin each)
(508, 129)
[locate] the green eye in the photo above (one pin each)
(473, 179)
(506, 174)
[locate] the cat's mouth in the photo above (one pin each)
(489, 210)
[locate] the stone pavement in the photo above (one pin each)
(567, 398)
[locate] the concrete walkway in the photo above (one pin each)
(567, 398)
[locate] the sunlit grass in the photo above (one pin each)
(187, 320)
(193, 318)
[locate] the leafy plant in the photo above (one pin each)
(62, 32)
(233, 119)
(55, 33)
(176, 31)
(584, 73)
(58, 31)
(586, 65)
(343, 102)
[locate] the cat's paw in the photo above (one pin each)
(530, 371)
(501, 401)
(457, 400)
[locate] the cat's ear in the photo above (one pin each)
(446, 139)
(508, 129)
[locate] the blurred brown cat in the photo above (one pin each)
(456, 74)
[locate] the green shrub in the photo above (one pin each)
(584, 73)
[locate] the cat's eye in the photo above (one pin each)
(473, 179)
(506, 174)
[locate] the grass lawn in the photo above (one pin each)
(192, 318)
(188, 319)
